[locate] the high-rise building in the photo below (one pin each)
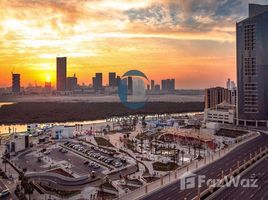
(112, 79)
(15, 83)
(130, 84)
(157, 88)
(228, 84)
(168, 85)
(163, 85)
(97, 81)
(61, 73)
(172, 84)
(217, 95)
(252, 67)
(152, 85)
(71, 83)
(118, 79)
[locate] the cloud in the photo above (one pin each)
(192, 17)
(119, 32)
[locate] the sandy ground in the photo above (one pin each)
(94, 98)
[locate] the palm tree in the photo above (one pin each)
(189, 148)
(141, 145)
(26, 185)
(182, 156)
(178, 154)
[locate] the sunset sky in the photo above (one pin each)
(192, 41)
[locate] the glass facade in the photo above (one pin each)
(252, 65)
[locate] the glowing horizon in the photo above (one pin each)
(191, 41)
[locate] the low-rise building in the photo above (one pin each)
(223, 113)
(62, 132)
(18, 142)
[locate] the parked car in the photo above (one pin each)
(93, 174)
(4, 193)
(96, 166)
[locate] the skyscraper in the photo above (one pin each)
(71, 83)
(97, 81)
(61, 73)
(112, 79)
(252, 67)
(172, 85)
(152, 85)
(228, 84)
(15, 83)
(130, 85)
(168, 85)
(118, 79)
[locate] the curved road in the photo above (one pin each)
(59, 179)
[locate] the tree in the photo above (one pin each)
(182, 156)
(178, 154)
(26, 185)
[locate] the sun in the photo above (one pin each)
(48, 78)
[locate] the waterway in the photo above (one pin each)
(7, 129)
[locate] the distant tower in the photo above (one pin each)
(71, 83)
(112, 79)
(172, 84)
(118, 80)
(15, 83)
(152, 85)
(97, 81)
(130, 85)
(61, 73)
(228, 84)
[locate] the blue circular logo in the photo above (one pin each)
(132, 89)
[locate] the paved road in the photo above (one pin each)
(247, 193)
(213, 170)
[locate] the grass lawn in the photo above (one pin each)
(103, 142)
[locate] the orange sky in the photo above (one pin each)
(163, 38)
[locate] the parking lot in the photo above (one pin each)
(40, 160)
(103, 157)
(77, 163)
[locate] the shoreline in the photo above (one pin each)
(55, 112)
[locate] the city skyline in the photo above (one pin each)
(134, 35)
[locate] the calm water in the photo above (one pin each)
(5, 129)
(5, 103)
